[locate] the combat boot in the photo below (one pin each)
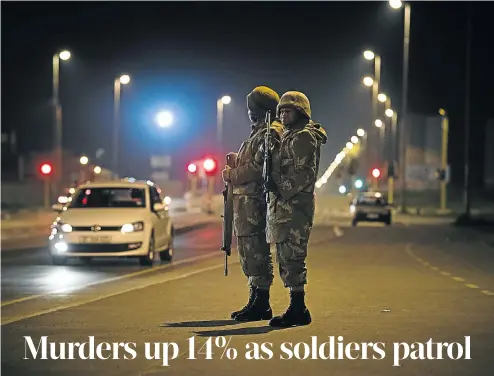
(297, 313)
(252, 296)
(259, 309)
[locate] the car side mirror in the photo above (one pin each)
(58, 208)
(158, 206)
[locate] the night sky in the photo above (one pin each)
(183, 56)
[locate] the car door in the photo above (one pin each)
(160, 218)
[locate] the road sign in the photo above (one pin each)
(160, 176)
(161, 161)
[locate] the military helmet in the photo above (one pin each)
(296, 100)
(262, 99)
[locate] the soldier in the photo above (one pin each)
(249, 202)
(291, 205)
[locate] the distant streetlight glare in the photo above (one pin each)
(124, 79)
(64, 55)
(368, 81)
(395, 4)
(369, 55)
(164, 119)
(226, 99)
(382, 97)
(84, 160)
(342, 189)
(349, 145)
(378, 123)
(389, 112)
(97, 170)
(360, 132)
(354, 139)
(358, 184)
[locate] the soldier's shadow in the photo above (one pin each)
(237, 331)
(199, 324)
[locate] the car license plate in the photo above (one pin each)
(372, 216)
(94, 239)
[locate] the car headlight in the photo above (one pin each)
(133, 227)
(66, 227)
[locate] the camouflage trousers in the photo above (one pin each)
(255, 257)
(291, 257)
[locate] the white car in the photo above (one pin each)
(370, 207)
(113, 219)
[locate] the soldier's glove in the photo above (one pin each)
(225, 174)
(233, 157)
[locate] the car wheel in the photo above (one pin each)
(59, 260)
(149, 258)
(167, 254)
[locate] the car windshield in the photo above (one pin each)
(371, 201)
(109, 198)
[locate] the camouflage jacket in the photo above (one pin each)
(249, 204)
(295, 167)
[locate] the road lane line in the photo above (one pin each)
(77, 304)
(457, 279)
(117, 278)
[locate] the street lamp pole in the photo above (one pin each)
(64, 55)
(404, 132)
(124, 79)
(220, 106)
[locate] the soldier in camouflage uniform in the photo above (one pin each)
(249, 204)
(292, 203)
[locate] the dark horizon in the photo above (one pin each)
(186, 55)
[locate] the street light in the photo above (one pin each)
(122, 80)
(84, 160)
(220, 104)
(63, 55)
(360, 132)
(369, 55)
(395, 4)
(389, 112)
(97, 170)
(378, 123)
(368, 81)
(354, 139)
(349, 145)
(382, 97)
(164, 119)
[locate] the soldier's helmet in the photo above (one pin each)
(296, 100)
(262, 99)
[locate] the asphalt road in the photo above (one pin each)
(392, 286)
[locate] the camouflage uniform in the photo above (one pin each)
(249, 203)
(292, 204)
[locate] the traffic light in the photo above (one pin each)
(376, 173)
(46, 169)
(210, 166)
(359, 183)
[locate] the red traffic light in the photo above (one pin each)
(209, 165)
(46, 169)
(376, 173)
(192, 168)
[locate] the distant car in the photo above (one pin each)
(113, 219)
(370, 207)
